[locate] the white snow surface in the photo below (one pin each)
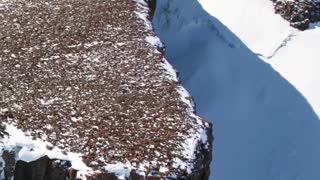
(299, 63)
(264, 125)
(119, 169)
(294, 54)
(253, 21)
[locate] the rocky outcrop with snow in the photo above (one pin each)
(86, 93)
(300, 13)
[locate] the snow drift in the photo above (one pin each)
(264, 128)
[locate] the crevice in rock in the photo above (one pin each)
(283, 44)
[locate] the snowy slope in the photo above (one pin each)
(299, 62)
(253, 21)
(265, 33)
(264, 128)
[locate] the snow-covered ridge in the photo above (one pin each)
(274, 40)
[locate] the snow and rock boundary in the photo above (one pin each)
(264, 127)
(191, 155)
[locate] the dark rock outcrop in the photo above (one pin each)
(300, 13)
(152, 6)
(203, 160)
(9, 159)
(41, 169)
(2, 131)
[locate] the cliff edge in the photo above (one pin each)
(85, 93)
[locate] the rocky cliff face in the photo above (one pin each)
(299, 13)
(84, 77)
(41, 169)
(55, 169)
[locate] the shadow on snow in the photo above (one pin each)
(264, 128)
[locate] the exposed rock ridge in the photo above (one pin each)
(300, 13)
(80, 75)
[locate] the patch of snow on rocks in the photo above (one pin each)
(191, 143)
(120, 169)
(29, 150)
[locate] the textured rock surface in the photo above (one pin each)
(42, 169)
(80, 75)
(300, 13)
(49, 169)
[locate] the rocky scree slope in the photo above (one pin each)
(80, 85)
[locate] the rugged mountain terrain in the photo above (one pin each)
(84, 93)
(87, 93)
